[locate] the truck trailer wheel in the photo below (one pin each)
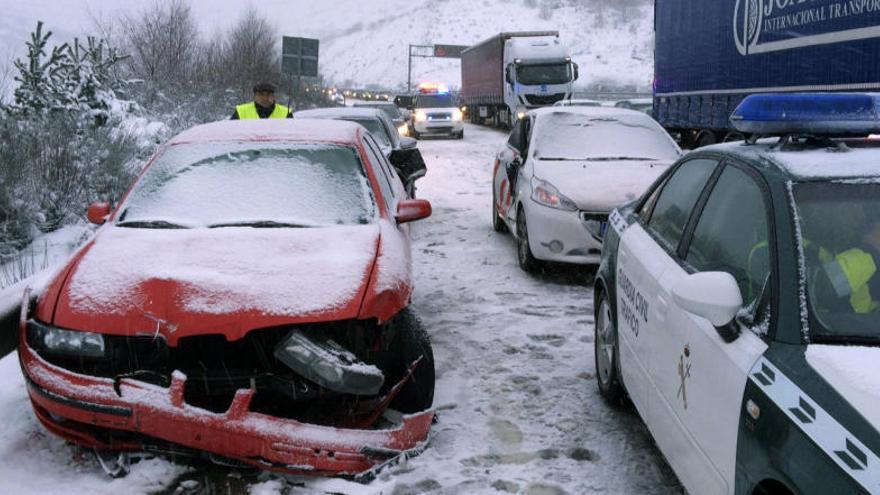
(706, 138)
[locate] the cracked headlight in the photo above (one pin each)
(65, 342)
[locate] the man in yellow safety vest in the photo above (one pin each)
(263, 106)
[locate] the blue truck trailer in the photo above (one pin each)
(709, 55)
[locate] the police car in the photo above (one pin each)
(738, 303)
(435, 112)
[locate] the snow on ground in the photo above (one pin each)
(518, 407)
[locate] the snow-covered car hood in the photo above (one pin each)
(181, 282)
(600, 186)
(854, 371)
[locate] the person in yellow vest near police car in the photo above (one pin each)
(851, 279)
(263, 106)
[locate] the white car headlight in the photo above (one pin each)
(456, 114)
(65, 342)
(545, 193)
(403, 130)
(421, 116)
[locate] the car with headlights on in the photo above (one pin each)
(435, 113)
(401, 151)
(248, 300)
(737, 303)
(563, 169)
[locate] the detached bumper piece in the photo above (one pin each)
(88, 411)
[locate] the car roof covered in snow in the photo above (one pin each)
(329, 131)
(590, 111)
(340, 112)
(806, 162)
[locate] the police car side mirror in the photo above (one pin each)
(713, 295)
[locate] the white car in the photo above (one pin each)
(436, 113)
(564, 169)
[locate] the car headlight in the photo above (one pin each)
(65, 342)
(403, 130)
(421, 116)
(456, 114)
(546, 194)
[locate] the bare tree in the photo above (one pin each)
(163, 42)
(6, 79)
(250, 52)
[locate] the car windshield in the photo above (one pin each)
(531, 75)
(250, 184)
(390, 109)
(376, 129)
(840, 242)
(434, 101)
(572, 136)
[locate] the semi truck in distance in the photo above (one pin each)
(710, 55)
(509, 73)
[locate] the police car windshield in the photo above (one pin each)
(434, 101)
(840, 242)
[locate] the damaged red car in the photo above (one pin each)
(246, 300)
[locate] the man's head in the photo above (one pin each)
(264, 94)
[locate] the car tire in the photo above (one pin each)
(459, 135)
(607, 354)
(498, 224)
(416, 135)
(524, 256)
(409, 340)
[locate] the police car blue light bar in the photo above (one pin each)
(826, 114)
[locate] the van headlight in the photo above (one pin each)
(403, 130)
(421, 116)
(456, 114)
(545, 193)
(65, 342)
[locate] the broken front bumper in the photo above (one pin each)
(86, 410)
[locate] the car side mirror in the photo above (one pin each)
(714, 296)
(98, 213)
(512, 168)
(408, 143)
(410, 210)
(508, 74)
(575, 67)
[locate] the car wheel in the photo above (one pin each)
(416, 135)
(497, 223)
(460, 135)
(607, 354)
(409, 341)
(527, 260)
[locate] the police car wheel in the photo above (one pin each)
(606, 352)
(497, 223)
(527, 260)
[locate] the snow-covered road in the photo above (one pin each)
(518, 407)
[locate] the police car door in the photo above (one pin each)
(646, 250)
(702, 377)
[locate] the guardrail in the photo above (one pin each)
(610, 95)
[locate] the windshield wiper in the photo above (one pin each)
(261, 224)
(151, 224)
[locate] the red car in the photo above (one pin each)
(247, 299)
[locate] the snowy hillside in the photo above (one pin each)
(373, 47)
(365, 43)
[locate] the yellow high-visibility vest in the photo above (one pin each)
(249, 111)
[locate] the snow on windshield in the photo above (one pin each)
(198, 185)
(575, 136)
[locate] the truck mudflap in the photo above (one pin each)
(89, 412)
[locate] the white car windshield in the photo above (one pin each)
(252, 185)
(573, 136)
